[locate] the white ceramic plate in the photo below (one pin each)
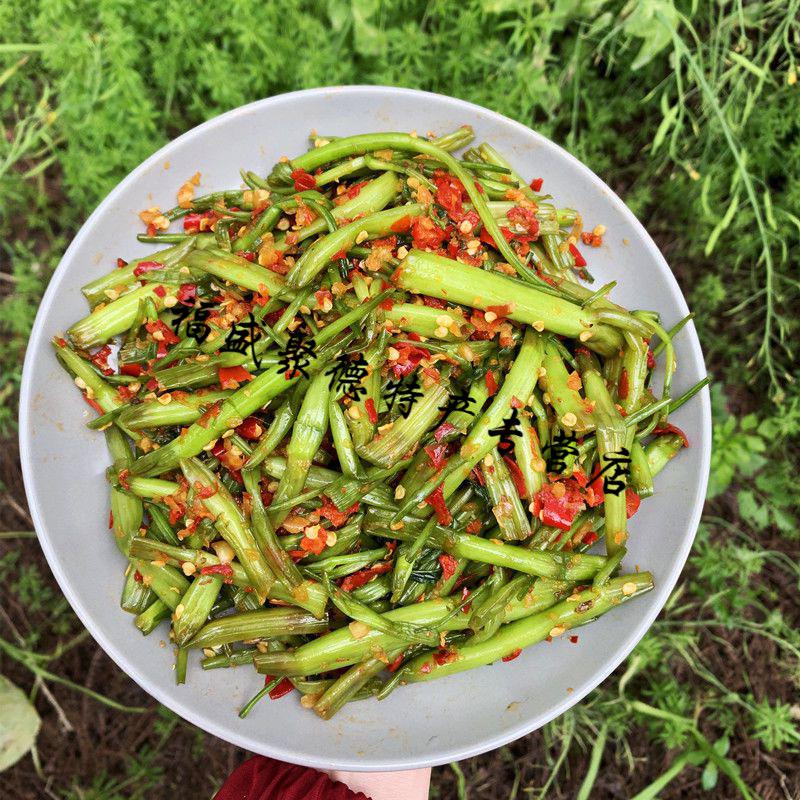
(64, 462)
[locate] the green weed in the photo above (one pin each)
(688, 109)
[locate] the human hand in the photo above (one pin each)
(411, 784)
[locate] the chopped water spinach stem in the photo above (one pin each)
(364, 414)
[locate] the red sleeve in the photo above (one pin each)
(261, 778)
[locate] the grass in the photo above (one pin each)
(689, 111)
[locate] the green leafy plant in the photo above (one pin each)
(738, 448)
(688, 110)
(19, 724)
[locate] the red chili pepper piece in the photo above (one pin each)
(224, 570)
(315, 545)
(473, 219)
(449, 566)
(125, 394)
(449, 194)
(403, 225)
(436, 500)
(474, 527)
(516, 476)
(303, 181)
(351, 193)
(273, 316)
(94, 404)
(186, 294)
(444, 430)
(389, 242)
(444, 657)
(595, 496)
(513, 654)
(433, 302)
(204, 492)
(410, 356)
(590, 538)
(146, 266)
(536, 184)
(395, 665)
(165, 333)
(100, 360)
(218, 450)
(212, 412)
(195, 223)
(372, 413)
(330, 512)
(477, 476)
(465, 593)
(425, 233)
(672, 429)
(501, 311)
(261, 298)
(559, 506)
(491, 383)
(176, 509)
(486, 238)
(624, 386)
(283, 688)
(250, 429)
(437, 454)
(579, 476)
(632, 502)
(364, 576)
(508, 235)
(231, 377)
(580, 261)
(525, 219)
